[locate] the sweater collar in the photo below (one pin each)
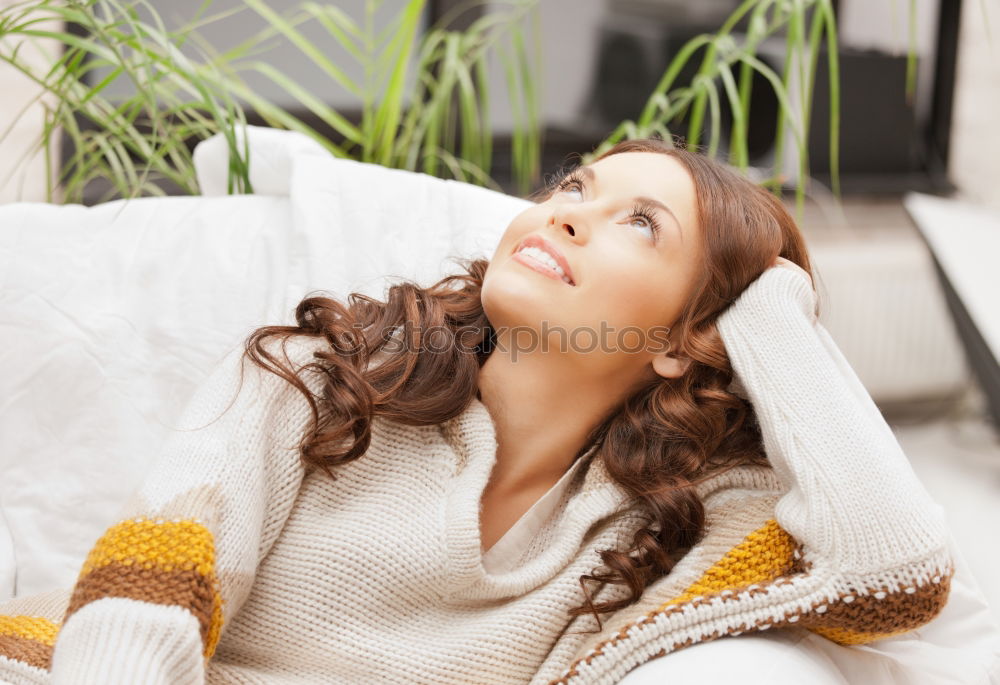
(471, 437)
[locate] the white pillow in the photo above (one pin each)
(112, 316)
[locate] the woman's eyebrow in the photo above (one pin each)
(590, 176)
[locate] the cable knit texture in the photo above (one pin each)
(235, 563)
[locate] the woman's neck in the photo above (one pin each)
(544, 412)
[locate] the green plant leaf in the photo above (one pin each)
(305, 46)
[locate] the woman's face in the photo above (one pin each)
(626, 278)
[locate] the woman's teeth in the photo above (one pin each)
(545, 258)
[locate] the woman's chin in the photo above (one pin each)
(521, 283)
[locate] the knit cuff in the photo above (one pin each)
(124, 641)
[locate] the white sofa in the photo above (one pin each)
(112, 316)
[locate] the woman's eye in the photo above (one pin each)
(571, 183)
(640, 222)
(571, 188)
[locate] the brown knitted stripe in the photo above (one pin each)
(185, 588)
(26, 650)
(857, 619)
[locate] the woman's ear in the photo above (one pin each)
(670, 367)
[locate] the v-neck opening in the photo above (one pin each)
(472, 435)
(511, 545)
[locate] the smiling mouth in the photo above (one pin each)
(539, 254)
(539, 260)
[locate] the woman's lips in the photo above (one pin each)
(533, 263)
(537, 241)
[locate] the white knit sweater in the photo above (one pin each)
(234, 563)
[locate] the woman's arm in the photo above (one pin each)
(158, 588)
(853, 501)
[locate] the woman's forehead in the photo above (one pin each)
(632, 166)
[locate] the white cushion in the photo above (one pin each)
(771, 658)
(112, 315)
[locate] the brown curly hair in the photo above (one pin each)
(667, 437)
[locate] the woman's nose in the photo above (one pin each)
(568, 222)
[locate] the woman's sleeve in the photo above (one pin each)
(159, 587)
(853, 502)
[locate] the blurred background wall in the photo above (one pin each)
(597, 62)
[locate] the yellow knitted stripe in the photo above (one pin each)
(158, 561)
(844, 636)
(763, 555)
(163, 545)
(31, 628)
(215, 628)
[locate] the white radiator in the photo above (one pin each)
(881, 302)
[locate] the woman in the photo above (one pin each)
(623, 435)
